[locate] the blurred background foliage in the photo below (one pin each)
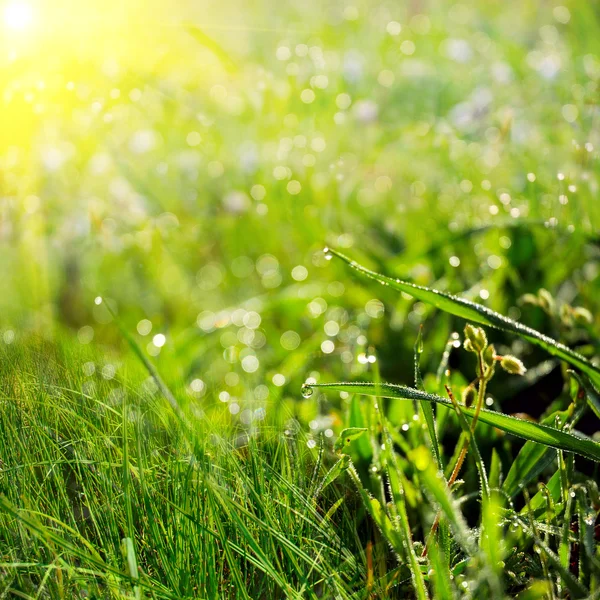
(187, 162)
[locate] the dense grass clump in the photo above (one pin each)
(106, 493)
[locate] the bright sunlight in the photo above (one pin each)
(18, 15)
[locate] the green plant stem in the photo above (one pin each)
(481, 388)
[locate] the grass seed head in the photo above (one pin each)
(512, 365)
(476, 339)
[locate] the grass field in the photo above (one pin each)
(299, 300)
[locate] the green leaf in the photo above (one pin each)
(531, 460)
(338, 468)
(495, 470)
(438, 492)
(535, 432)
(593, 398)
(441, 576)
(478, 313)
(348, 435)
(426, 407)
(356, 420)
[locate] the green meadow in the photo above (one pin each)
(299, 300)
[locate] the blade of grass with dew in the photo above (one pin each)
(527, 430)
(49, 537)
(221, 500)
(589, 565)
(478, 313)
(440, 576)
(552, 488)
(356, 419)
(206, 41)
(490, 567)
(426, 407)
(132, 565)
(398, 485)
(577, 590)
(492, 542)
(533, 458)
(400, 539)
(495, 470)
(442, 496)
(593, 397)
(341, 466)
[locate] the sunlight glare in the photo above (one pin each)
(18, 15)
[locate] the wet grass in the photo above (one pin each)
(169, 177)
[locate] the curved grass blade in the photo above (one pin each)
(535, 432)
(438, 492)
(533, 458)
(426, 407)
(478, 313)
(593, 398)
(338, 468)
(348, 435)
(530, 462)
(576, 589)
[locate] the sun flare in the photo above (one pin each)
(18, 16)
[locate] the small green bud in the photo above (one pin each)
(477, 338)
(530, 299)
(489, 355)
(582, 315)
(566, 315)
(512, 365)
(469, 395)
(545, 300)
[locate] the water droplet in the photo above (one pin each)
(327, 253)
(98, 300)
(307, 390)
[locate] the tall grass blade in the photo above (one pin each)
(535, 432)
(479, 314)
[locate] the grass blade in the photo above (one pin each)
(479, 314)
(426, 407)
(439, 493)
(535, 432)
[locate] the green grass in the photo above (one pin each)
(170, 174)
(206, 512)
